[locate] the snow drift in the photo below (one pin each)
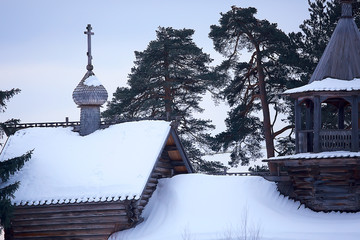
(201, 207)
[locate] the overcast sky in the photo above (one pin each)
(43, 47)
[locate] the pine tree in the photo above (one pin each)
(252, 86)
(315, 34)
(168, 81)
(8, 168)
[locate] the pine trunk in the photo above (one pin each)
(167, 88)
(265, 107)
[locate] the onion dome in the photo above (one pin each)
(90, 91)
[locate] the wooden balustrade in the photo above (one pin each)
(335, 140)
(329, 140)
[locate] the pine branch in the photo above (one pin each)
(282, 130)
(10, 166)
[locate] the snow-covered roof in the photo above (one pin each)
(335, 154)
(109, 164)
(328, 84)
(201, 207)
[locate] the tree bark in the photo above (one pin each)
(269, 142)
(167, 88)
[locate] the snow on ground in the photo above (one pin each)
(328, 84)
(104, 165)
(202, 207)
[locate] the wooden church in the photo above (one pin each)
(324, 174)
(91, 180)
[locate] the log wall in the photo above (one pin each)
(331, 184)
(72, 221)
(96, 220)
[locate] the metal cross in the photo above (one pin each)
(89, 67)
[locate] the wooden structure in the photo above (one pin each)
(89, 95)
(324, 174)
(128, 166)
(92, 218)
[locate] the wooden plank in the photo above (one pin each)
(277, 178)
(78, 237)
(175, 155)
(102, 219)
(170, 141)
(58, 233)
(180, 169)
(64, 227)
(69, 215)
(166, 165)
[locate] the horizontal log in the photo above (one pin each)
(64, 227)
(148, 191)
(163, 172)
(165, 165)
(143, 202)
(60, 233)
(180, 169)
(153, 180)
(78, 237)
(165, 160)
(94, 220)
(74, 214)
(277, 178)
(146, 196)
(19, 210)
(150, 185)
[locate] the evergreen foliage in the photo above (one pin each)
(5, 96)
(167, 82)
(315, 34)
(252, 86)
(8, 167)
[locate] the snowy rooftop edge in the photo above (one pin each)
(107, 171)
(328, 84)
(334, 154)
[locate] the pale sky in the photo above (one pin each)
(43, 47)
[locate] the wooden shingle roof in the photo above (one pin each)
(341, 58)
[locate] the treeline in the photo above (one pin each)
(171, 75)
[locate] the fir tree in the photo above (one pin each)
(252, 86)
(8, 168)
(168, 81)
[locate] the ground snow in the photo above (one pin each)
(328, 84)
(201, 207)
(108, 164)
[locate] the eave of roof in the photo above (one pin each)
(327, 85)
(322, 155)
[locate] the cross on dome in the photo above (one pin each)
(89, 67)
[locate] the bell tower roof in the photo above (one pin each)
(341, 58)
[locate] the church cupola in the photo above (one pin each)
(89, 95)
